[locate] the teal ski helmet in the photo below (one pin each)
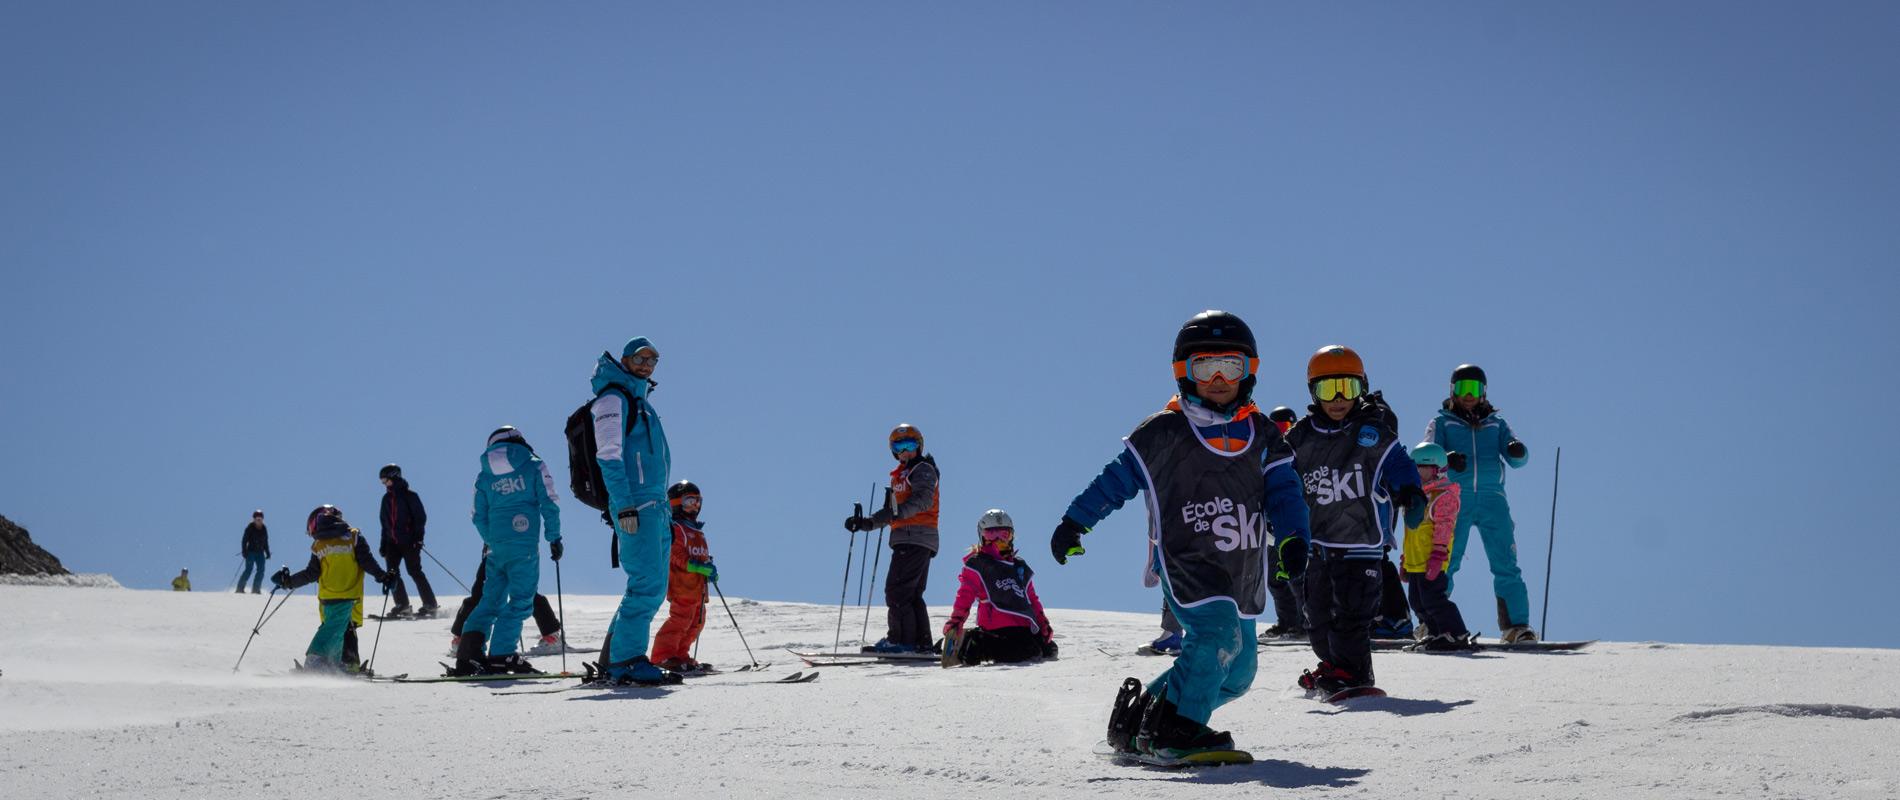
(1429, 454)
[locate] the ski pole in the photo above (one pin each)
(259, 625)
(234, 578)
(1543, 623)
(444, 568)
(735, 626)
(857, 511)
(878, 561)
(369, 666)
(560, 606)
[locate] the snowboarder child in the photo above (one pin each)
(338, 560)
(1010, 625)
(913, 524)
(1211, 464)
(1352, 468)
(1480, 445)
(515, 506)
(1429, 528)
(691, 569)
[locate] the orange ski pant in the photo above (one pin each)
(684, 621)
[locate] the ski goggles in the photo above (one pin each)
(905, 446)
(1231, 367)
(1327, 390)
(1467, 388)
(997, 534)
(691, 500)
(644, 361)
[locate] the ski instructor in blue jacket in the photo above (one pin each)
(514, 499)
(634, 464)
(1480, 444)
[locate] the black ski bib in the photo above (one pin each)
(1207, 511)
(1005, 586)
(1340, 473)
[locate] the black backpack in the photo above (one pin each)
(583, 468)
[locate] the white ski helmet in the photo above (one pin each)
(995, 518)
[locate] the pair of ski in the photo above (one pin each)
(796, 677)
(864, 658)
(1411, 646)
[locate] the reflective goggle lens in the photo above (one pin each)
(903, 445)
(999, 533)
(1329, 389)
(1230, 367)
(1467, 388)
(643, 361)
(690, 500)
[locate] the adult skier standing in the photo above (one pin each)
(404, 521)
(514, 501)
(913, 524)
(1211, 464)
(255, 547)
(634, 462)
(1480, 444)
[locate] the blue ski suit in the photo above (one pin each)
(634, 463)
(1481, 486)
(514, 505)
(1219, 653)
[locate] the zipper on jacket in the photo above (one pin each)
(639, 468)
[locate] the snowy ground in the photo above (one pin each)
(119, 693)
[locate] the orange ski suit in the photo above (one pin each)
(685, 595)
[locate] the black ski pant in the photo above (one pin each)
(1341, 596)
(409, 556)
(1392, 606)
(544, 616)
(909, 618)
(1432, 601)
(1288, 611)
(1004, 645)
(350, 654)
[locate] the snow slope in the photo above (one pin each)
(118, 693)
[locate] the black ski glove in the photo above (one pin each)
(554, 550)
(855, 523)
(1067, 540)
(281, 578)
(1293, 552)
(1516, 449)
(1456, 461)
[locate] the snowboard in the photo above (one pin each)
(1357, 691)
(1215, 758)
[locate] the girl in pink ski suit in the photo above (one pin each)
(1011, 626)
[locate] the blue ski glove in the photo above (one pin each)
(1067, 540)
(554, 549)
(1293, 552)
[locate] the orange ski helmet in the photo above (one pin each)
(1334, 359)
(907, 432)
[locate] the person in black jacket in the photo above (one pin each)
(255, 547)
(403, 522)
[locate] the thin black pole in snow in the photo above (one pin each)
(844, 591)
(370, 665)
(1543, 624)
(865, 633)
(445, 569)
(262, 618)
(735, 627)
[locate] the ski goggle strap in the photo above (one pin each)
(1346, 387)
(1467, 388)
(1232, 367)
(904, 446)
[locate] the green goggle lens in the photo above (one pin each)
(1467, 388)
(1330, 389)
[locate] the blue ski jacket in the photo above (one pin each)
(1483, 444)
(634, 458)
(515, 499)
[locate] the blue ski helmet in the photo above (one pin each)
(1429, 454)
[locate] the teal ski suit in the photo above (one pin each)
(634, 464)
(1481, 486)
(515, 504)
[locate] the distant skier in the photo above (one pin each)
(691, 569)
(913, 523)
(546, 622)
(1480, 444)
(514, 500)
(1010, 624)
(1429, 528)
(1210, 464)
(255, 547)
(182, 583)
(404, 521)
(634, 461)
(1352, 468)
(338, 560)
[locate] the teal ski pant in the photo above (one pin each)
(1491, 514)
(510, 575)
(1217, 662)
(327, 645)
(647, 558)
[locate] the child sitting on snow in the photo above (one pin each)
(1010, 624)
(1429, 528)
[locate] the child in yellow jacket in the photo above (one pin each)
(1429, 528)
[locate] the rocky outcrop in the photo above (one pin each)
(20, 556)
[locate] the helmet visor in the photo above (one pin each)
(1209, 367)
(1467, 388)
(1346, 388)
(904, 446)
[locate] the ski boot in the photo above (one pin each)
(468, 655)
(1311, 679)
(1383, 628)
(640, 672)
(1447, 643)
(403, 611)
(1124, 719)
(1518, 634)
(549, 645)
(1278, 631)
(428, 612)
(887, 646)
(1167, 734)
(1168, 644)
(510, 664)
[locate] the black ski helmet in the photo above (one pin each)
(681, 489)
(321, 517)
(1282, 414)
(508, 433)
(1213, 331)
(389, 471)
(1469, 372)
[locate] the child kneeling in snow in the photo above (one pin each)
(1010, 624)
(1429, 528)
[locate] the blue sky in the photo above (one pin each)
(254, 252)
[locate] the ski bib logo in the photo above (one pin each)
(1328, 486)
(1230, 522)
(521, 523)
(1368, 436)
(1009, 585)
(508, 486)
